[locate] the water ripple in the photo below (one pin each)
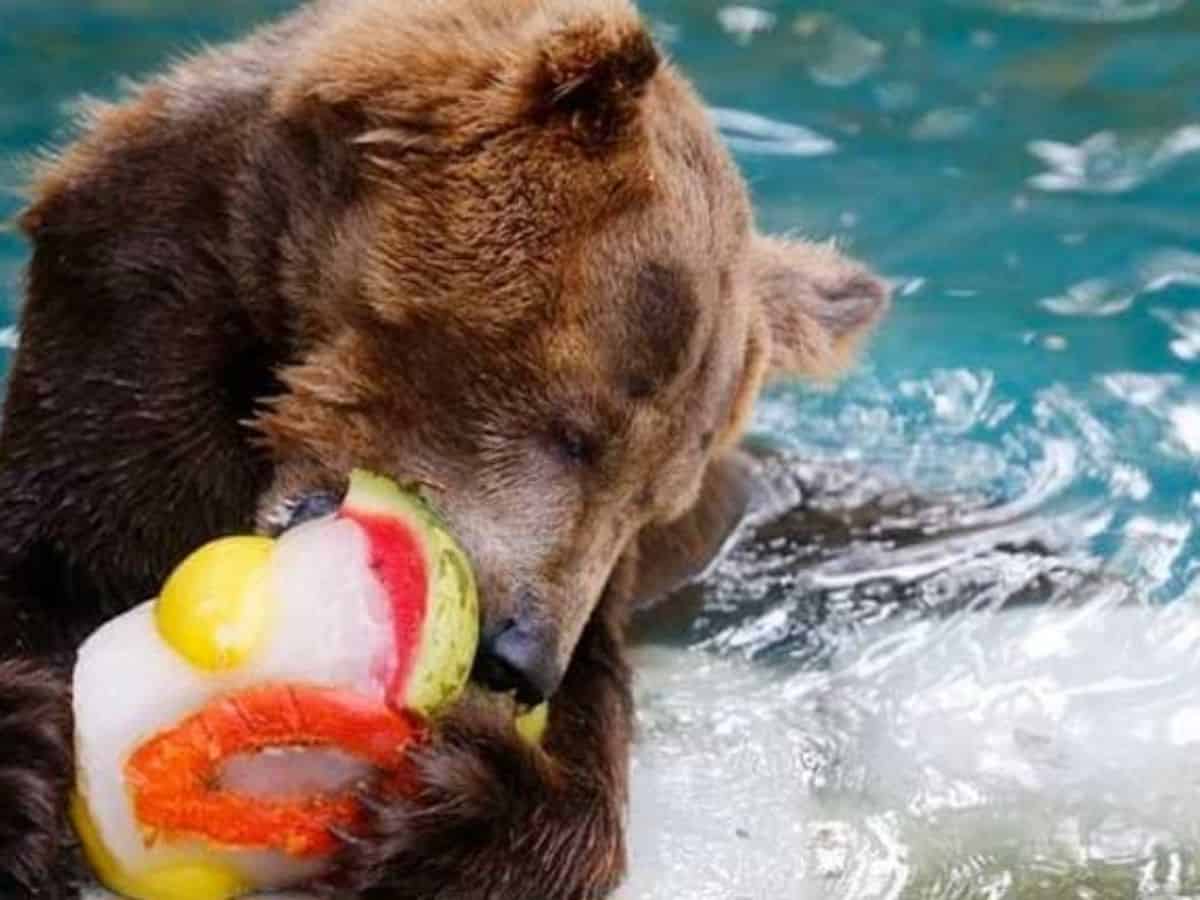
(835, 53)
(1096, 11)
(943, 124)
(1092, 297)
(1032, 747)
(750, 133)
(1109, 162)
(955, 697)
(1104, 296)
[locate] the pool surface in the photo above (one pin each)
(979, 675)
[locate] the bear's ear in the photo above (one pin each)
(818, 305)
(379, 74)
(591, 75)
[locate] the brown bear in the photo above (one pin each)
(494, 248)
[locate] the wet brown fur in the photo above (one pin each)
(491, 247)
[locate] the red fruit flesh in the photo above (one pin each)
(398, 559)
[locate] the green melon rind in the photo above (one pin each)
(450, 628)
(378, 495)
(450, 632)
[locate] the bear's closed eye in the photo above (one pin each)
(574, 443)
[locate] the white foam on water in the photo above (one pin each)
(1016, 739)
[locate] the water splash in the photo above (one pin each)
(965, 689)
(1008, 718)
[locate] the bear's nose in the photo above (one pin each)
(519, 657)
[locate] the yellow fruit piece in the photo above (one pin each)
(185, 881)
(532, 725)
(213, 609)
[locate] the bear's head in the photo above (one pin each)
(546, 301)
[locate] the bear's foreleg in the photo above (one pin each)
(35, 779)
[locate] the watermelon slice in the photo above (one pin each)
(431, 589)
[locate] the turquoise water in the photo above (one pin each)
(1028, 172)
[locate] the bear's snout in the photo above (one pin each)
(521, 656)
